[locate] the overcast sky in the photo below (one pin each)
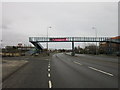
(21, 20)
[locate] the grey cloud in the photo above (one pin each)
(23, 20)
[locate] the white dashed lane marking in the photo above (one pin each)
(48, 70)
(77, 62)
(47, 59)
(101, 71)
(48, 66)
(49, 75)
(50, 84)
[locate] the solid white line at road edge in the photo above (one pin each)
(77, 62)
(50, 84)
(101, 71)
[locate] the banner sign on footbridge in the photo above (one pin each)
(58, 39)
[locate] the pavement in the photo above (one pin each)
(32, 75)
(10, 66)
(0, 72)
(65, 71)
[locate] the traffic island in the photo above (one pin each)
(11, 66)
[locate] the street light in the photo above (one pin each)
(47, 36)
(1, 44)
(96, 37)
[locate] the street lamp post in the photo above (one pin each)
(96, 37)
(47, 36)
(1, 44)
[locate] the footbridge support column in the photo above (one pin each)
(73, 51)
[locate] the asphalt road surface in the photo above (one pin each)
(65, 71)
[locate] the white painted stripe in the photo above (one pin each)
(47, 59)
(48, 70)
(48, 66)
(101, 71)
(48, 74)
(77, 62)
(50, 84)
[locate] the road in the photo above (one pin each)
(65, 71)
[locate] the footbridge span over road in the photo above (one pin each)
(36, 40)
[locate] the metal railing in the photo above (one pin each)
(70, 39)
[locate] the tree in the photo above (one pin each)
(90, 49)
